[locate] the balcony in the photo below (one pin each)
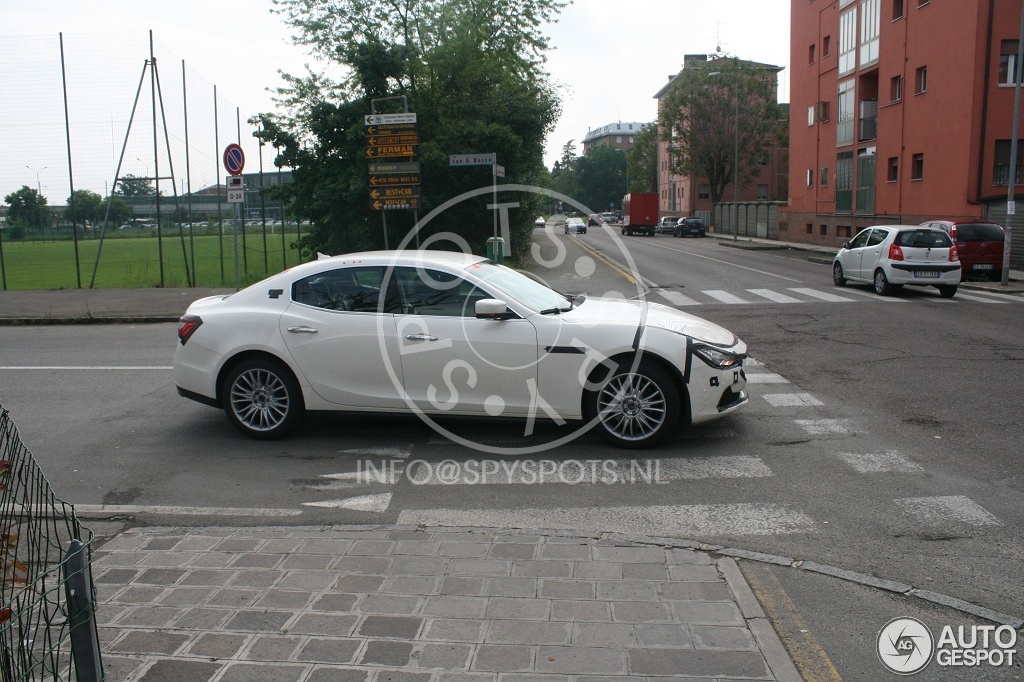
(1001, 175)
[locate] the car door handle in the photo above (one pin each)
(302, 330)
(420, 337)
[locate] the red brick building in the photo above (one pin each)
(901, 112)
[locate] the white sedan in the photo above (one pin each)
(889, 256)
(443, 333)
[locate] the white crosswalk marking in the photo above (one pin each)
(996, 294)
(814, 293)
(879, 462)
(676, 298)
(774, 296)
(943, 509)
(792, 400)
(875, 297)
(766, 378)
(822, 427)
(369, 503)
(979, 299)
(724, 296)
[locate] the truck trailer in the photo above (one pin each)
(639, 213)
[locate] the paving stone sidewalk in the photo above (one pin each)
(405, 603)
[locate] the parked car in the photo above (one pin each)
(575, 226)
(540, 221)
(689, 227)
(889, 256)
(979, 244)
(381, 331)
(667, 224)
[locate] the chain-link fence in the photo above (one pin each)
(111, 171)
(47, 631)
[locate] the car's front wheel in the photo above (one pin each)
(837, 275)
(882, 286)
(636, 407)
(262, 399)
(947, 290)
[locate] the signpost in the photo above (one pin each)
(234, 162)
(394, 185)
(496, 172)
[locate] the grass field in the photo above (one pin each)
(135, 261)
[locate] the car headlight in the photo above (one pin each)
(714, 357)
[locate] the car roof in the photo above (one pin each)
(453, 259)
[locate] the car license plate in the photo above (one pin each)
(928, 274)
(982, 266)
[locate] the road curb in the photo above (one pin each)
(45, 321)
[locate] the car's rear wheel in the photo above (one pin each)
(262, 399)
(947, 290)
(882, 286)
(837, 275)
(636, 408)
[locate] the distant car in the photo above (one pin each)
(575, 226)
(978, 243)
(609, 217)
(333, 335)
(540, 221)
(689, 227)
(594, 219)
(889, 256)
(667, 225)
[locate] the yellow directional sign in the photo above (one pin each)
(392, 192)
(381, 140)
(393, 150)
(392, 129)
(394, 180)
(394, 204)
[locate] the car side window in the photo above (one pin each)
(432, 292)
(860, 240)
(356, 289)
(877, 237)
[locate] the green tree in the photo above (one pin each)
(472, 71)
(88, 207)
(134, 186)
(642, 171)
(712, 105)
(601, 176)
(27, 208)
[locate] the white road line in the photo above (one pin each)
(184, 511)
(725, 262)
(676, 298)
(751, 362)
(996, 294)
(792, 400)
(367, 503)
(766, 378)
(774, 296)
(396, 452)
(876, 297)
(87, 367)
(979, 299)
(724, 296)
(944, 509)
(814, 293)
(890, 461)
(822, 427)
(681, 521)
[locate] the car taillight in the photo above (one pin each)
(895, 252)
(187, 326)
(954, 255)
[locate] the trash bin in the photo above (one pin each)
(496, 249)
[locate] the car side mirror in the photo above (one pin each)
(492, 309)
(846, 245)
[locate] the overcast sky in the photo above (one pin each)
(610, 56)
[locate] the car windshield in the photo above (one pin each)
(923, 239)
(519, 287)
(979, 232)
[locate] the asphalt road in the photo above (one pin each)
(881, 437)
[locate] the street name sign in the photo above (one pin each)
(471, 159)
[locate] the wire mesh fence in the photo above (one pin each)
(36, 529)
(111, 172)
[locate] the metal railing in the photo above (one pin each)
(47, 620)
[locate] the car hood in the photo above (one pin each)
(617, 311)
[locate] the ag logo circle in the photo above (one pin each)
(905, 646)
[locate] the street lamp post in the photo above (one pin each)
(39, 193)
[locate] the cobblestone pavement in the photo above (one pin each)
(407, 603)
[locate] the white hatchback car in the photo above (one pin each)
(889, 256)
(442, 333)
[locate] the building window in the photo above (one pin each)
(870, 29)
(896, 89)
(1008, 62)
(917, 167)
(844, 182)
(823, 230)
(826, 46)
(824, 176)
(921, 80)
(866, 180)
(844, 122)
(810, 115)
(1001, 167)
(809, 228)
(810, 54)
(847, 41)
(763, 159)
(843, 231)
(897, 9)
(810, 178)
(618, 139)
(762, 192)
(704, 192)
(894, 169)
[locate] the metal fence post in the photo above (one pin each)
(85, 641)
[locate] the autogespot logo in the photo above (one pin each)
(463, 371)
(905, 646)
